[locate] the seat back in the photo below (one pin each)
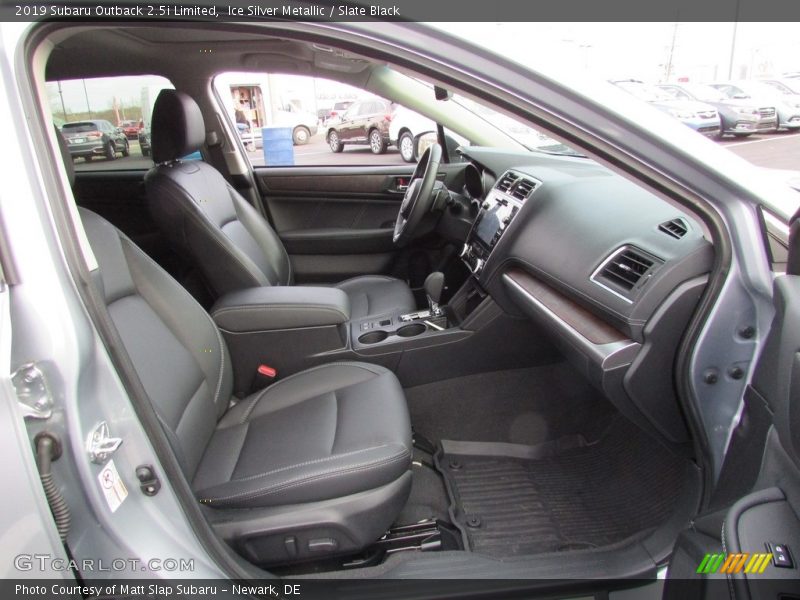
(176, 349)
(203, 216)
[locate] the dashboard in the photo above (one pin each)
(610, 270)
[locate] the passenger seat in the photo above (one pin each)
(315, 464)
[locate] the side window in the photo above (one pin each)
(354, 110)
(106, 121)
(727, 90)
(291, 120)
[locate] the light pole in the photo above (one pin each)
(733, 40)
(86, 95)
(61, 97)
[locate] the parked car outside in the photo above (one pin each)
(365, 121)
(130, 129)
(144, 142)
(787, 105)
(787, 85)
(405, 125)
(737, 117)
(87, 139)
(337, 110)
(700, 116)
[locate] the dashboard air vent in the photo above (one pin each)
(523, 189)
(506, 182)
(625, 270)
(676, 228)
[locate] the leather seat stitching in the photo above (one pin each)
(307, 463)
(384, 278)
(261, 307)
(308, 479)
(236, 197)
(317, 368)
(199, 217)
(144, 255)
(252, 406)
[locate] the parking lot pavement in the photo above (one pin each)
(317, 152)
(779, 150)
(134, 161)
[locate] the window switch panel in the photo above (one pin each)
(781, 556)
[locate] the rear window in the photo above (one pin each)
(79, 127)
(80, 106)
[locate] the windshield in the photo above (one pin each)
(758, 88)
(645, 92)
(529, 137)
(780, 87)
(706, 93)
(79, 127)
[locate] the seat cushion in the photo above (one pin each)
(377, 295)
(323, 433)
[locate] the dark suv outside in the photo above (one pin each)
(364, 122)
(87, 139)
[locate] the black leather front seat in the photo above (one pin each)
(219, 231)
(317, 463)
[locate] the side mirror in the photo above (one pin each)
(423, 141)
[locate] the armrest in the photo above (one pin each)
(281, 307)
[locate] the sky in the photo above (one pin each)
(653, 52)
(701, 52)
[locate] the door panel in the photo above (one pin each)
(337, 221)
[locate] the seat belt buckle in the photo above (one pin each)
(267, 371)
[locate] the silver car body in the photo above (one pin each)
(51, 327)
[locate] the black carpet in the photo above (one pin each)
(570, 496)
(523, 406)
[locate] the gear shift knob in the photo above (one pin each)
(434, 284)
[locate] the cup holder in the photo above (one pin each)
(411, 330)
(373, 337)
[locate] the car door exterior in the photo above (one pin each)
(351, 119)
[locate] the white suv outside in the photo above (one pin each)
(405, 125)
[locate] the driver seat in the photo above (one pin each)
(215, 227)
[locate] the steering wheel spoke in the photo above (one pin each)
(419, 195)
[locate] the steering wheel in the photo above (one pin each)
(419, 195)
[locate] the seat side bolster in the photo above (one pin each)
(329, 477)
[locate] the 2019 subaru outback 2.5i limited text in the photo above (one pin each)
(550, 372)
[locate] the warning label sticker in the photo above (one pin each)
(113, 488)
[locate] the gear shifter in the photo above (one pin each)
(434, 284)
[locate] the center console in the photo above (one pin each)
(496, 214)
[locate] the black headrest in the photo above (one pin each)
(178, 128)
(66, 157)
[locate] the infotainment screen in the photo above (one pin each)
(491, 220)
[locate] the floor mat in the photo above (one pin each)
(512, 500)
(509, 406)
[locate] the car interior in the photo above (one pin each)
(463, 366)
